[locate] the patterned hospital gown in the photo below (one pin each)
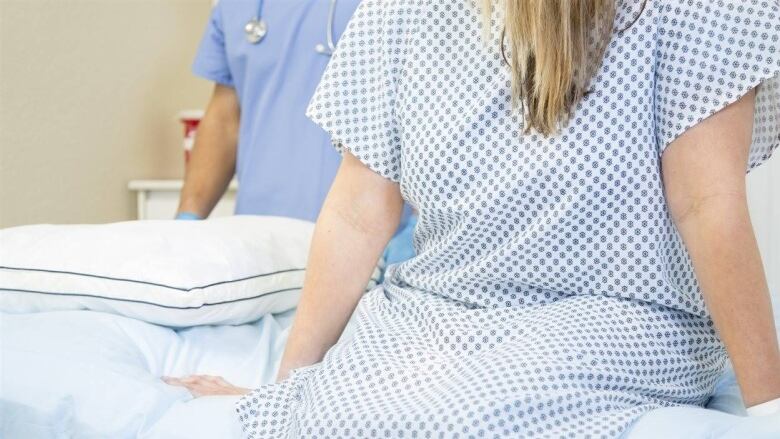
(551, 295)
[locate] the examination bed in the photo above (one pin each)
(86, 374)
(82, 366)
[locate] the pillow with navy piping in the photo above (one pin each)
(228, 270)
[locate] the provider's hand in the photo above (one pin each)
(206, 385)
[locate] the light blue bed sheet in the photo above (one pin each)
(84, 374)
(724, 418)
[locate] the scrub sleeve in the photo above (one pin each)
(211, 60)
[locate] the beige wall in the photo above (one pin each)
(89, 91)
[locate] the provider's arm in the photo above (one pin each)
(213, 161)
(704, 179)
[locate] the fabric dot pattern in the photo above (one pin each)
(551, 295)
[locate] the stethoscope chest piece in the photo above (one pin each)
(255, 30)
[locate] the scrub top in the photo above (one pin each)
(285, 163)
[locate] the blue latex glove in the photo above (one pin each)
(188, 216)
(400, 248)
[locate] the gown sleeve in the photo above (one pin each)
(355, 101)
(710, 53)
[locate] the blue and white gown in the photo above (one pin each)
(551, 295)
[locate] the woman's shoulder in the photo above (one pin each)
(391, 11)
(399, 6)
(716, 12)
(391, 23)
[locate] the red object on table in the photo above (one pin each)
(190, 120)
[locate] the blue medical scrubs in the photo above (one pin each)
(286, 163)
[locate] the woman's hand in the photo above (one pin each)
(206, 385)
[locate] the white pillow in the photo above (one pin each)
(178, 273)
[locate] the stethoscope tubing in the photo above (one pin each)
(324, 49)
(331, 19)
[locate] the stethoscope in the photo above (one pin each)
(257, 28)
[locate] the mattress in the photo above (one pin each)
(86, 374)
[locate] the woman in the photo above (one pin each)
(584, 251)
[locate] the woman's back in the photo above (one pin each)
(507, 218)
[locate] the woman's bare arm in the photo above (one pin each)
(704, 179)
(357, 220)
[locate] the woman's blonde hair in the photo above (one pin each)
(555, 47)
